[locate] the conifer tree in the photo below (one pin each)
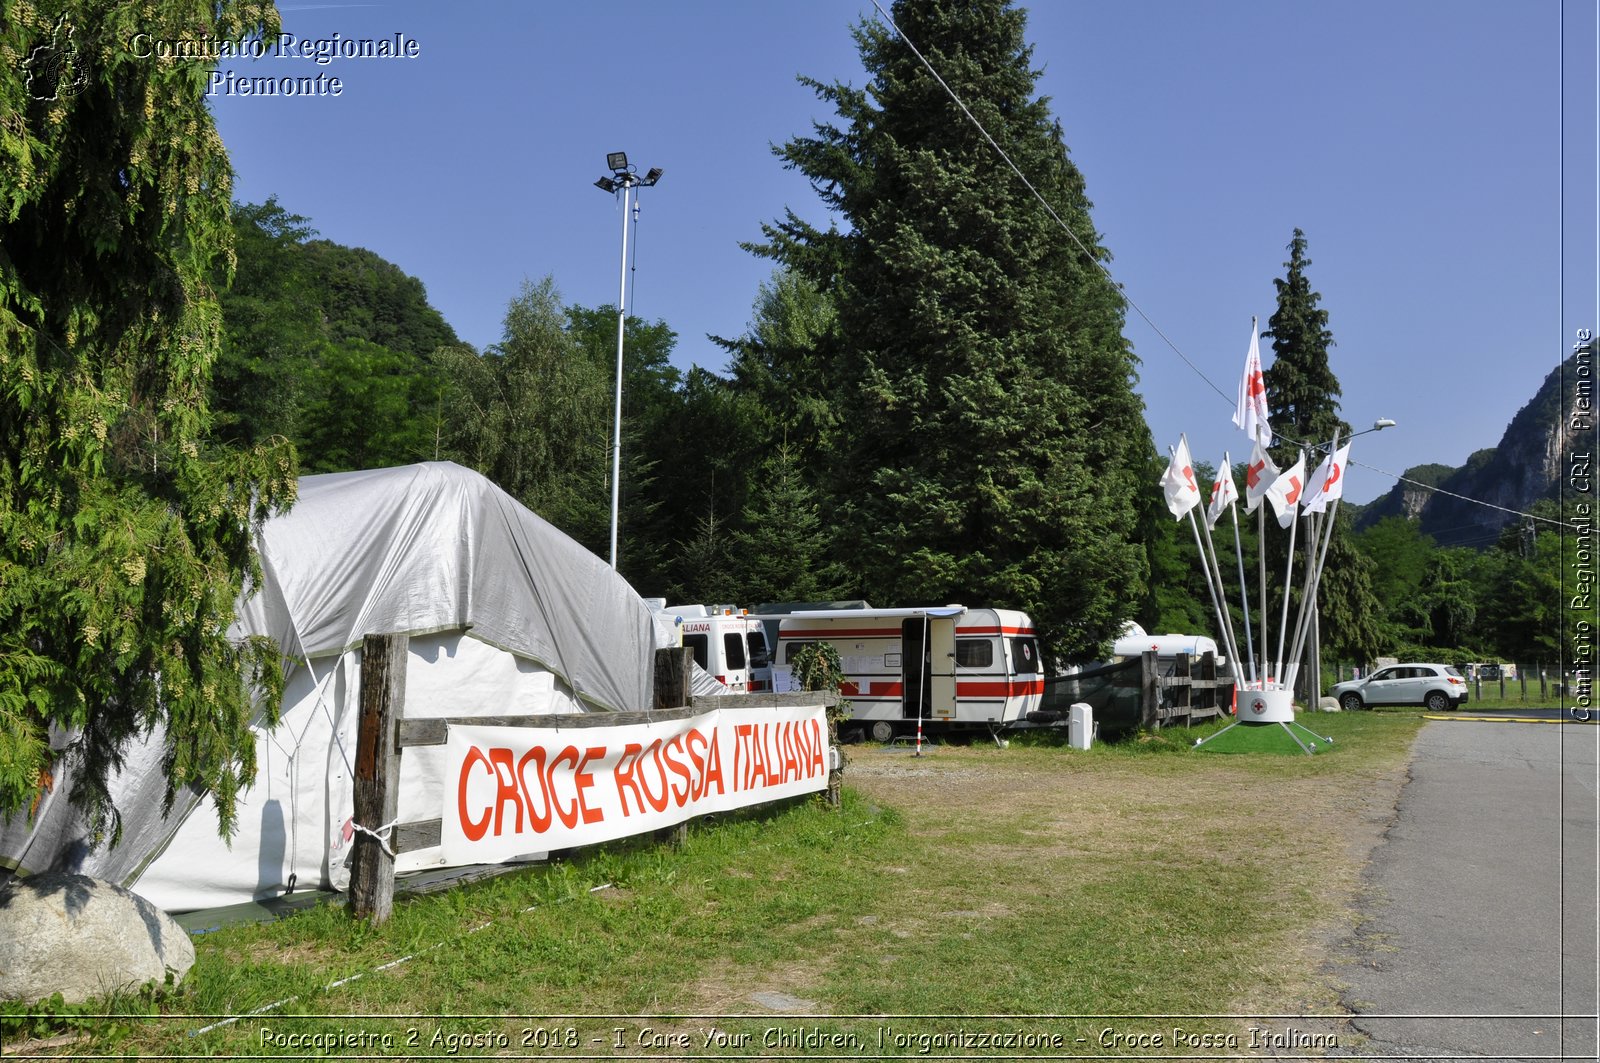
(783, 548)
(1302, 391)
(1303, 404)
(125, 535)
(990, 447)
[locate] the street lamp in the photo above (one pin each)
(1316, 610)
(625, 179)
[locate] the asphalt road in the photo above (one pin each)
(1479, 933)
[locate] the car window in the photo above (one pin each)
(1384, 673)
(1449, 669)
(700, 644)
(758, 649)
(733, 650)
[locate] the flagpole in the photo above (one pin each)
(1288, 572)
(1266, 607)
(1244, 590)
(1292, 662)
(1322, 561)
(1216, 600)
(1224, 618)
(1316, 556)
(1205, 566)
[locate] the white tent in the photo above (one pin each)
(506, 616)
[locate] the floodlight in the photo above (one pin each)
(606, 184)
(653, 176)
(617, 161)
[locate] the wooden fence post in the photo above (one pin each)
(673, 667)
(1150, 691)
(377, 775)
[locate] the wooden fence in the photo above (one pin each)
(384, 734)
(1190, 693)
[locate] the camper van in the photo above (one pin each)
(728, 643)
(1166, 647)
(944, 667)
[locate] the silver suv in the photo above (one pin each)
(1437, 686)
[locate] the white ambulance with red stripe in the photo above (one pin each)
(728, 643)
(946, 666)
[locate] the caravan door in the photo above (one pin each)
(928, 667)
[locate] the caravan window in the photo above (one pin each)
(701, 645)
(791, 650)
(1024, 656)
(758, 649)
(974, 653)
(733, 651)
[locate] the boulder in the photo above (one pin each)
(1327, 704)
(83, 938)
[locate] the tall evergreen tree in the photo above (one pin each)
(125, 534)
(783, 550)
(1303, 403)
(1302, 391)
(990, 444)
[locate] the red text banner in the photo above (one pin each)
(512, 791)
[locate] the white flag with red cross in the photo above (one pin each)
(1178, 482)
(1250, 412)
(1258, 477)
(1223, 493)
(1327, 483)
(1286, 491)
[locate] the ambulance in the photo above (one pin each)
(728, 643)
(942, 667)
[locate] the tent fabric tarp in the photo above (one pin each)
(506, 615)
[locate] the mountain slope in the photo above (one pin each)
(1523, 468)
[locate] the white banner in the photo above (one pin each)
(513, 791)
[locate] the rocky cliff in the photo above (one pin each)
(1525, 467)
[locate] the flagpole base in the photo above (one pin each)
(1266, 706)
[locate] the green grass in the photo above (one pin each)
(1132, 878)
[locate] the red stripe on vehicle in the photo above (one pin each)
(842, 632)
(1006, 689)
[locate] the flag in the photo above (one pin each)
(1286, 490)
(1223, 493)
(1258, 477)
(1250, 412)
(1327, 483)
(1183, 494)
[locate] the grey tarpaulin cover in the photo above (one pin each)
(507, 615)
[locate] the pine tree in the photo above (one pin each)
(990, 446)
(125, 534)
(1303, 407)
(783, 548)
(1302, 392)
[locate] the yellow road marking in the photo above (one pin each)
(1501, 719)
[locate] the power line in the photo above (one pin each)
(1118, 288)
(1123, 295)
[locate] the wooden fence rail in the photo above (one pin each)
(1193, 692)
(384, 734)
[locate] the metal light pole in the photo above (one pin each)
(1314, 696)
(626, 179)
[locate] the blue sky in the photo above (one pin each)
(1439, 158)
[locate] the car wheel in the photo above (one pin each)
(1438, 701)
(1351, 702)
(882, 731)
